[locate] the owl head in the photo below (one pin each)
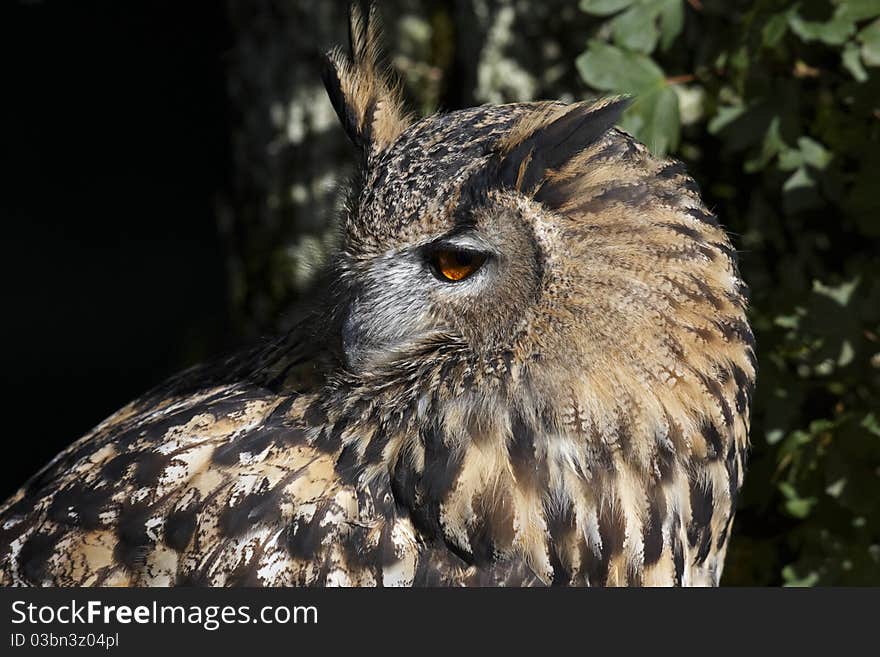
(532, 242)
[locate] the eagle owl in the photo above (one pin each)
(529, 364)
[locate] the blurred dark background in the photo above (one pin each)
(170, 178)
(116, 152)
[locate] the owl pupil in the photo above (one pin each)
(455, 264)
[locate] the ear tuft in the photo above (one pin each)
(367, 103)
(548, 138)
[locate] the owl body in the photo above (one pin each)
(529, 365)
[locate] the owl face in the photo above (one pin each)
(435, 249)
(467, 285)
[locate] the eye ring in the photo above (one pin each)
(453, 265)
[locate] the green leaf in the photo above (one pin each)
(870, 40)
(671, 13)
(636, 29)
(725, 116)
(774, 29)
(858, 10)
(792, 579)
(659, 124)
(833, 32)
(871, 424)
(847, 353)
(800, 508)
(691, 99)
(836, 488)
(608, 68)
(790, 159)
(788, 321)
(809, 152)
(799, 179)
(852, 62)
(604, 7)
(774, 436)
(770, 147)
(814, 153)
(640, 27)
(795, 505)
(840, 293)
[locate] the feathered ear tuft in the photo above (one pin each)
(367, 103)
(550, 137)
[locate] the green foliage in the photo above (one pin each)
(776, 108)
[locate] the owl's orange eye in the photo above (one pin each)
(455, 264)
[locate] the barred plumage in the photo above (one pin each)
(574, 410)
